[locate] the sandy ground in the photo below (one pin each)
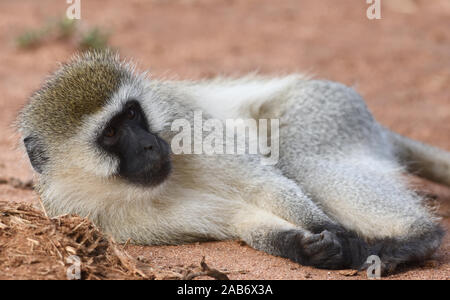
(400, 64)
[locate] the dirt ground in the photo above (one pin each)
(400, 64)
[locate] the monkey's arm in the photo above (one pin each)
(286, 199)
(266, 188)
(271, 234)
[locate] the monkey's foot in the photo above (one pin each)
(396, 251)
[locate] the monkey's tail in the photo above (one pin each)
(421, 159)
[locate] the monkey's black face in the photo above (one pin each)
(144, 156)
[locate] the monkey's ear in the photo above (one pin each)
(36, 153)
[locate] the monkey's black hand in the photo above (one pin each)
(355, 249)
(322, 250)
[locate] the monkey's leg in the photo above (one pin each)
(271, 234)
(367, 194)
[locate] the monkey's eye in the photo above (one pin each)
(110, 132)
(131, 113)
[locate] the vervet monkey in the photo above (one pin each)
(99, 135)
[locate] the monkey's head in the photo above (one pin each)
(94, 118)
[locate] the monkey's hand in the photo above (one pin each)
(321, 250)
(354, 249)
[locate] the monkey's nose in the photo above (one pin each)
(151, 144)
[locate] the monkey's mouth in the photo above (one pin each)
(150, 175)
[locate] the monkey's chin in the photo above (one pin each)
(149, 177)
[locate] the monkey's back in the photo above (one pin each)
(329, 118)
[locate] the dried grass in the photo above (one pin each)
(33, 246)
